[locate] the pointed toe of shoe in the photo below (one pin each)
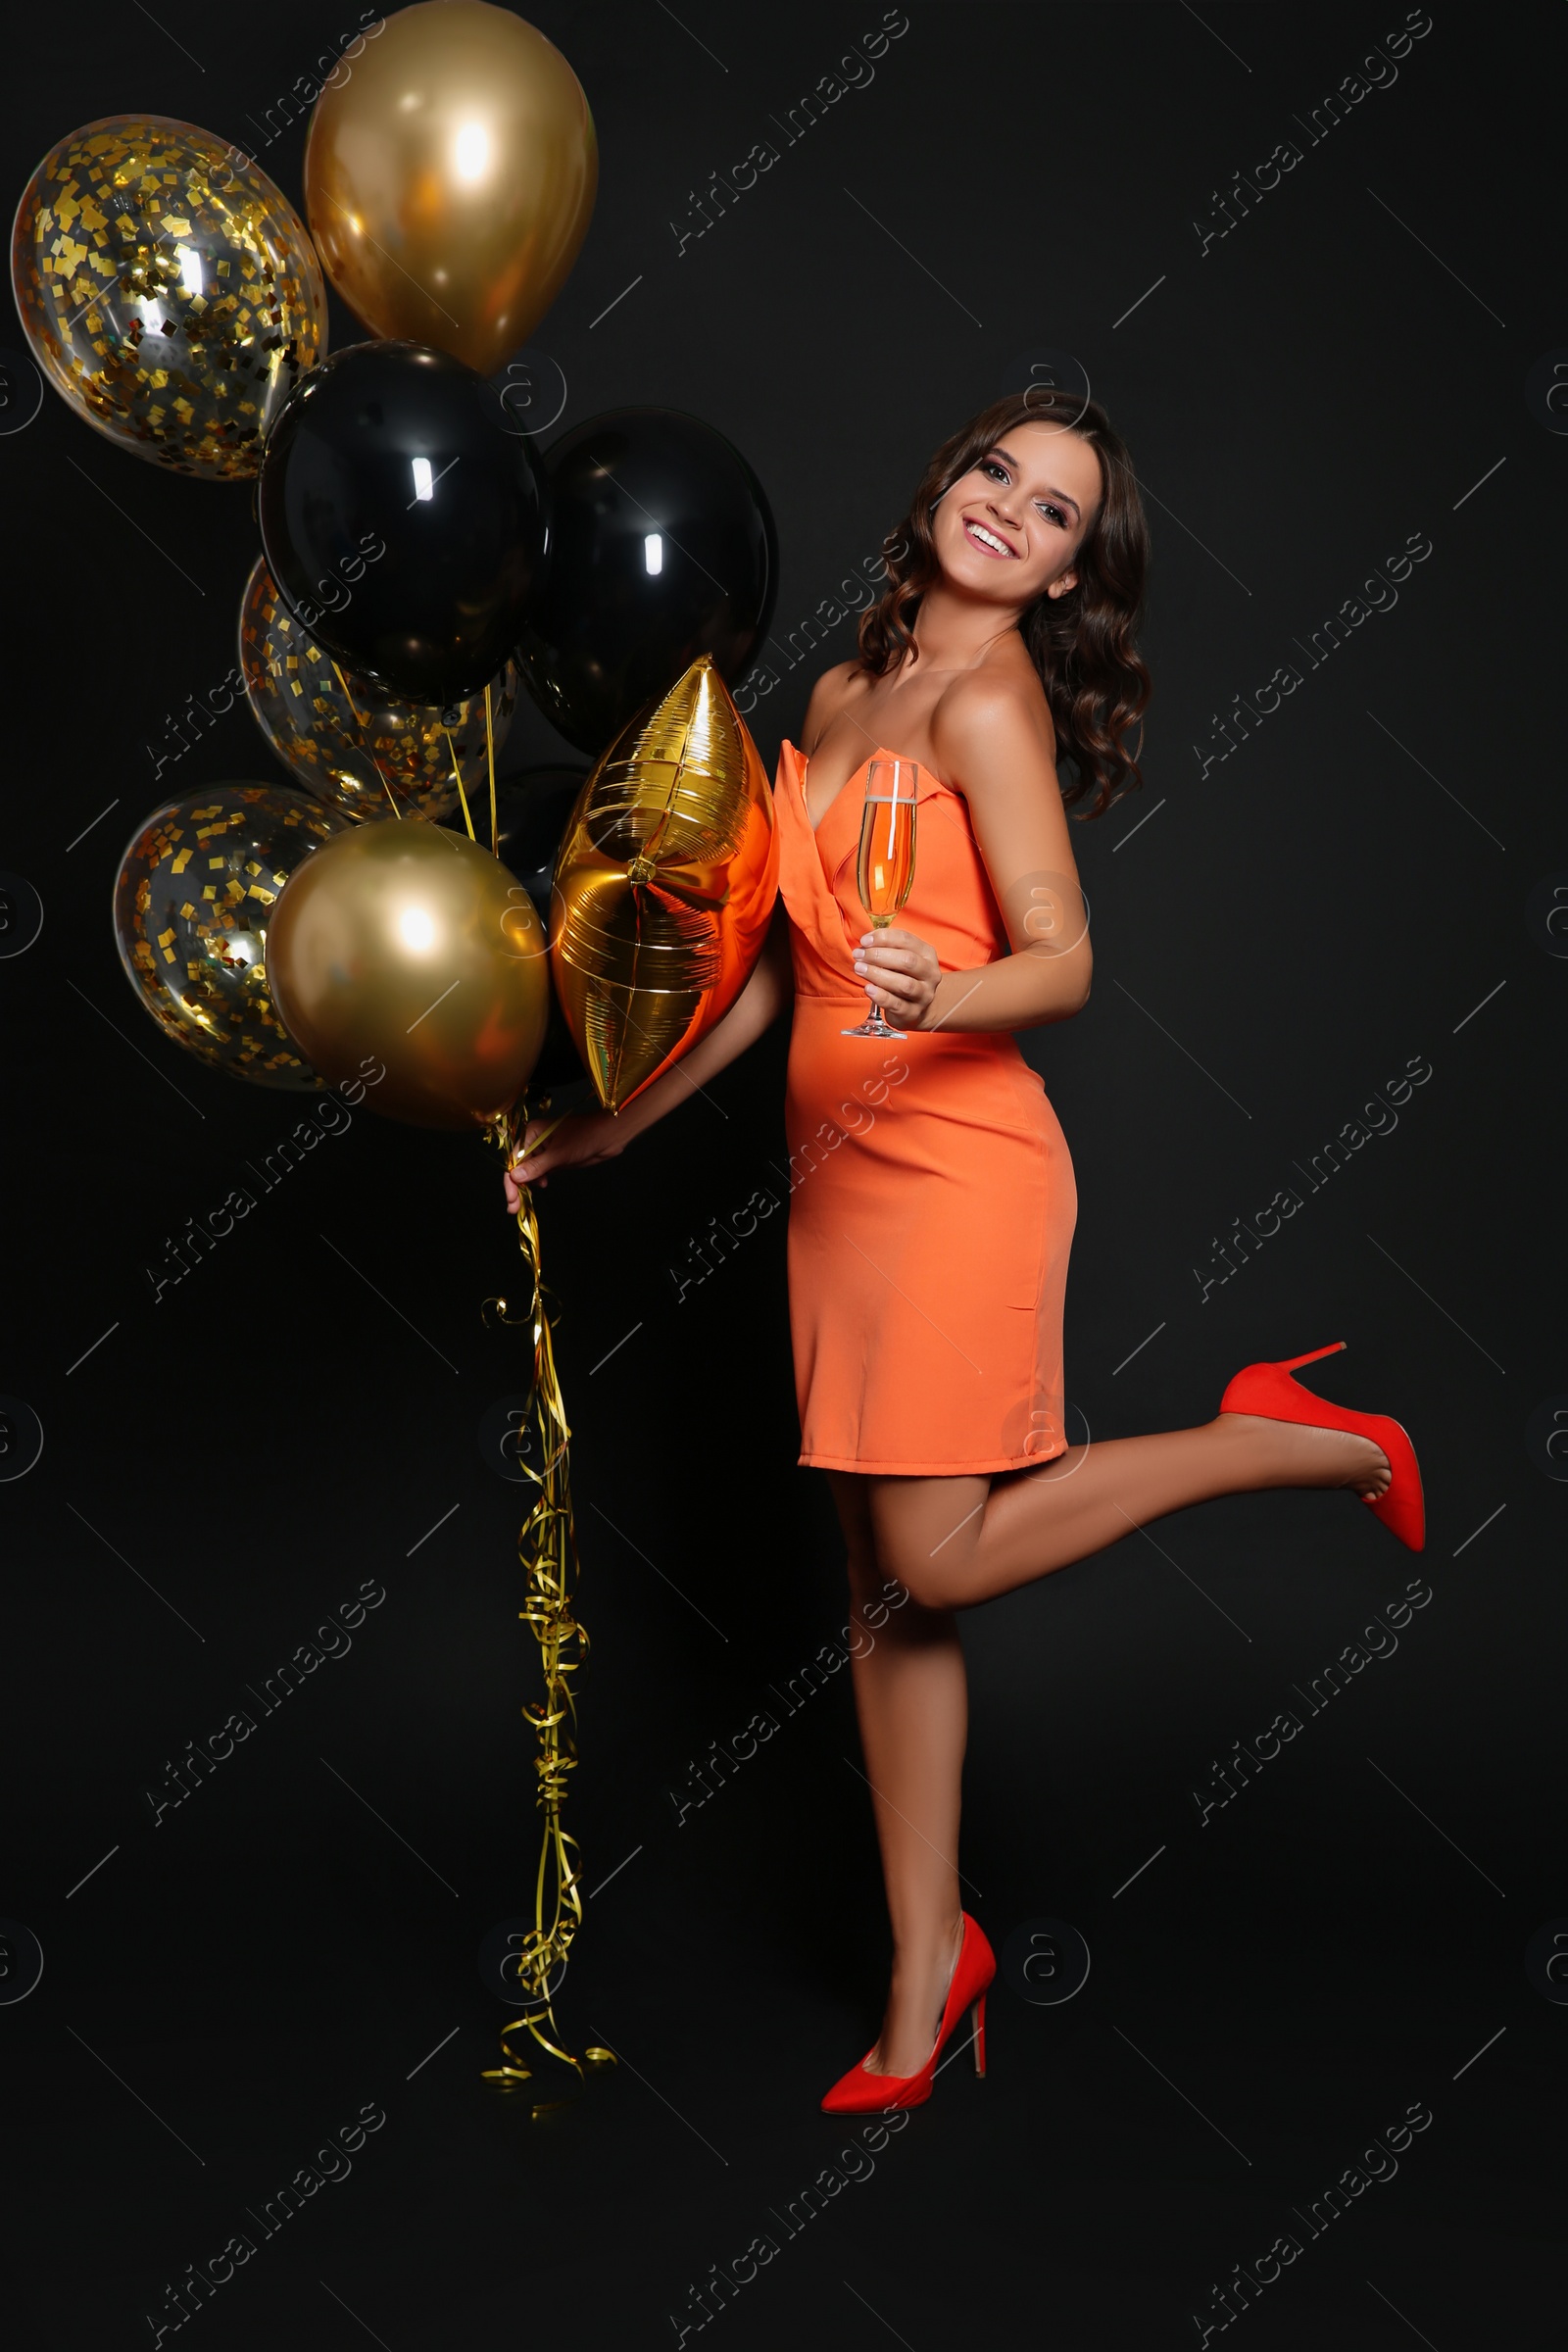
(862, 2093)
(1405, 1515)
(1269, 1390)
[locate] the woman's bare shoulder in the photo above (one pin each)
(1000, 706)
(832, 691)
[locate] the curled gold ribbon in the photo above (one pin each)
(546, 1547)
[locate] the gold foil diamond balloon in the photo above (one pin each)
(193, 904)
(168, 289)
(665, 883)
(353, 744)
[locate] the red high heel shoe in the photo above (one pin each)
(1269, 1390)
(860, 2092)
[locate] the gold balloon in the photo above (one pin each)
(193, 909)
(168, 289)
(356, 747)
(450, 179)
(664, 882)
(412, 943)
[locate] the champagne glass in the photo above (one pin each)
(884, 867)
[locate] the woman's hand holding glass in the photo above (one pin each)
(901, 972)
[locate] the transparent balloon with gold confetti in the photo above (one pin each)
(194, 901)
(168, 291)
(352, 743)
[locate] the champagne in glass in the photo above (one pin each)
(884, 868)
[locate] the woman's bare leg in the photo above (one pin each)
(911, 1699)
(957, 1540)
(950, 1542)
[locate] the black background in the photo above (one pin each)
(1277, 939)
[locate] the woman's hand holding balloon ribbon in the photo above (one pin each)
(574, 1139)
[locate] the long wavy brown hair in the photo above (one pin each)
(1083, 644)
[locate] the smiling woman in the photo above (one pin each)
(928, 1256)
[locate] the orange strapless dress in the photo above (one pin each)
(932, 1201)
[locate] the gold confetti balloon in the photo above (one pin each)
(194, 900)
(450, 179)
(354, 744)
(664, 882)
(412, 944)
(168, 291)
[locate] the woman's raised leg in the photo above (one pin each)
(928, 1533)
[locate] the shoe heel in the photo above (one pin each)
(1296, 1362)
(977, 2020)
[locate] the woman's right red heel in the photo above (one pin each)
(1269, 1390)
(861, 2092)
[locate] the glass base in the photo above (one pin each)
(875, 1027)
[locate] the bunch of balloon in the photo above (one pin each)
(418, 560)
(405, 527)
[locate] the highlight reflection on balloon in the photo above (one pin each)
(665, 883)
(450, 179)
(412, 944)
(349, 741)
(168, 289)
(664, 548)
(194, 902)
(405, 517)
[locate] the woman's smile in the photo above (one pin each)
(989, 541)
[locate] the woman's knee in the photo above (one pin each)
(901, 1552)
(881, 1602)
(917, 1548)
(925, 1584)
(907, 1577)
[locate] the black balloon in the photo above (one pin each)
(664, 549)
(531, 813)
(405, 517)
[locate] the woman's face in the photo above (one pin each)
(1008, 529)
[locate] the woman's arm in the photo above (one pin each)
(993, 745)
(584, 1137)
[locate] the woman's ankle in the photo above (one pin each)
(931, 1945)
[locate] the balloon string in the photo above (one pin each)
(359, 715)
(490, 756)
(359, 721)
(457, 776)
(547, 1548)
(545, 1132)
